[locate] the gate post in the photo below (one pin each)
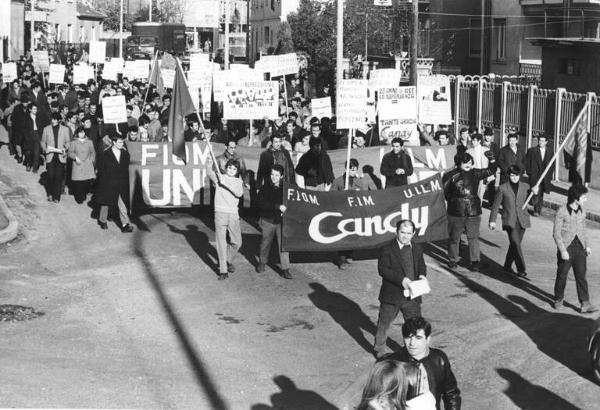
(557, 119)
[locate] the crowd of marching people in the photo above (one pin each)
(60, 126)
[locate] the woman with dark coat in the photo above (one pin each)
(113, 183)
(32, 135)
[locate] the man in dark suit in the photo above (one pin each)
(400, 262)
(396, 165)
(510, 154)
(512, 195)
(536, 161)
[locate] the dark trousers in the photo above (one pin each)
(456, 226)
(387, 314)
(80, 190)
(32, 157)
(537, 201)
(270, 231)
(578, 260)
(515, 252)
(54, 178)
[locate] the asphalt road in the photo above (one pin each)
(140, 321)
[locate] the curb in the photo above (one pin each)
(12, 229)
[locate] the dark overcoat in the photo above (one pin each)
(113, 178)
(534, 165)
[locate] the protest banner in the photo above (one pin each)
(284, 64)
(397, 108)
(351, 104)
(239, 67)
(200, 85)
(251, 100)
(320, 221)
(9, 72)
(165, 181)
(97, 52)
(57, 74)
(82, 73)
(385, 77)
(137, 69)
(114, 109)
(41, 61)
(118, 62)
(198, 60)
(321, 107)
(111, 70)
(434, 99)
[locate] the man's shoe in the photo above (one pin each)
(558, 305)
(475, 267)
(20, 159)
(103, 225)
(536, 213)
(223, 276)
(521, 274)
(587, 307)
(127, 228)
(49, 198)
(56, 200)
(230, 268)
(452, 265)
(28, 168)
(285, 274)
(260, 268)
(342, 265)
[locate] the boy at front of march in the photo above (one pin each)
(229, 190)
(271, 209)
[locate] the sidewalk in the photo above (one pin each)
(558, 197)
(9, 227)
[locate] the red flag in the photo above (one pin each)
(156, 78)
(181, 106)
(577, 141)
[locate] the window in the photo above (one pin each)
(474, 37)
(570, 67)
(500, 39)
(69, 33)
(266, 36)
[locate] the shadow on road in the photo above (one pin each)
(291, 398)
(348, 315)
(526, 395)
(560, 336)
(203, 379)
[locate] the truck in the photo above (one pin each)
(148, 37)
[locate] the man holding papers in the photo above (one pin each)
(400, 263)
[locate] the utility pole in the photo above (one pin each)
(32, 39)
(340, 43)
(414, 43)
(248, 30)
(482, 41)
(150, 11)
(226, 48)
(121, 31)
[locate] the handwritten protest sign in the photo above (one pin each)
(351, 104)
(41, 61)
(434, 100)
(198, 60)
(397, 107)
(251, 100)
(111, 70)
(82, 73)
(9, 72)
(284, 64)
(97, 52)
(168, 77)
(114, 109)
(385, 77)
(137, 69)
(321, 107)
(57, 74)
(200, 82)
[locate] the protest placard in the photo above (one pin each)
(97, 52)
(239, 67)
(168, 77)
(57, 74)
(397, 108)
(385, 77)
(118, 62)
(251, 100)
(114, 109)
(111, 70)
(82, 73)
(200, 85)
(9, 72)
(223, 79)
(198, 60)
(321, 107)
(434, 99)
(351, 104)
(41, 61)
(284, 64)
(332, 221)
(137, 69)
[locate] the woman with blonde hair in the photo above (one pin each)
(386, 387)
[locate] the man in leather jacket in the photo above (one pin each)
(434, 373)
(464, 206)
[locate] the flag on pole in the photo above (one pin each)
(181, 106)
(576, 145)
(156, 78)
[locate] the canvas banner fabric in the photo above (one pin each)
(341, 220)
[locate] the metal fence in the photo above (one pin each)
(506, 106)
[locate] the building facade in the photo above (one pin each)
(73, 21)
(265, 18)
